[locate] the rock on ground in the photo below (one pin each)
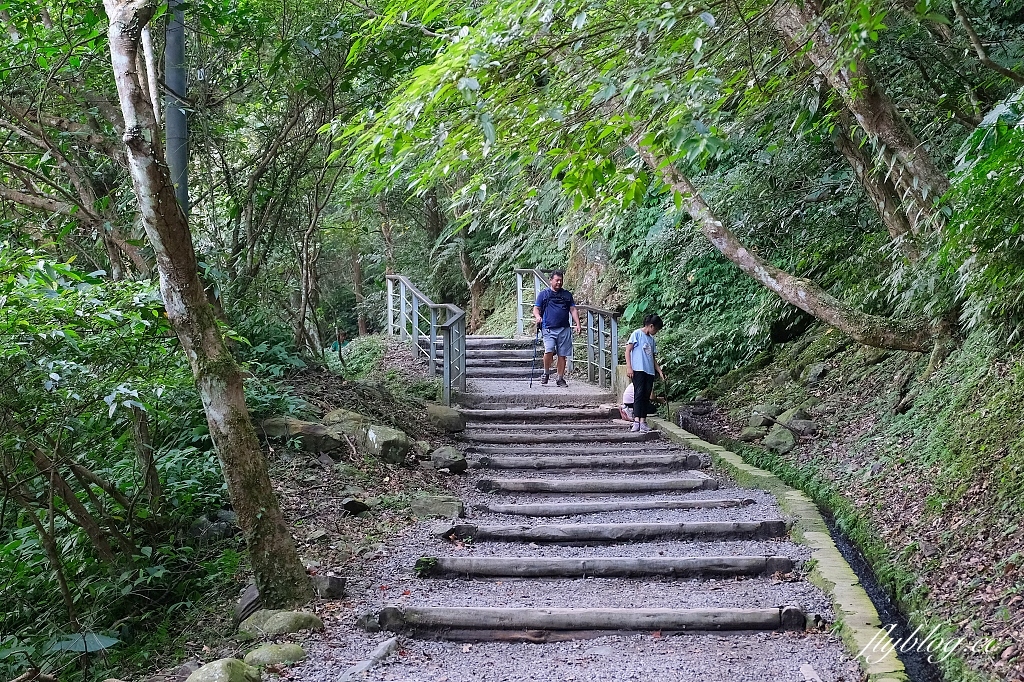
(225, 670)
(275, 654)
(447, 457)
(437, 505)
(445, 418)
(279, 622)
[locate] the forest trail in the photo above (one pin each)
(585, 553)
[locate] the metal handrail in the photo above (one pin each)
(442, 322)
(600, 335)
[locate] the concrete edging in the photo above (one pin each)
(856, 618)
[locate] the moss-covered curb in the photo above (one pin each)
(857, 620)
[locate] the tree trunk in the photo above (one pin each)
(915, 171)
(871, 330)
(476, 290)
(357, 288)
(280, 577)
(880, 191)
(434, 218)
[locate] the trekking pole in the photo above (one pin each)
(533, 367)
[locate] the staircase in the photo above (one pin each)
(577, 528)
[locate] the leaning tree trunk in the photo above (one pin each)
(915, 172)
(880, 191)
(871, 330)
(280, 577)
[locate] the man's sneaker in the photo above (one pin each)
(544, 379)
(561, 382)
(644, 428)
(635, 427)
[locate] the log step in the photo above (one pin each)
(594, 485)
(564, 414)
(613, 532)
(425, 620)
(569, 425)
(567, 436)
(602, 567)
(589, 462)
(640, 448)
(576, 508)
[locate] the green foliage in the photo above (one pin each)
(85, 361)
(362, 356)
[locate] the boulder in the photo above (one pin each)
(203, 530)
(248, 604)
(447, 457)
(329, 586)
(445, 418)
(780, 439)
(312, 436)
(354, 506)
(225, 670)
(430, 506)
(759, 415)
(753, 433)
(386, 444)
(275, 654)
(279, 622)
(805, 427)
(349, 422)
(815, 373)
(791, 414)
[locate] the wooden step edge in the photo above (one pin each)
(601, 567)
(612, 532)
(579, 508)
(437, 620)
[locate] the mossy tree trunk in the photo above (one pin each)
(871, 330)
(280, 576)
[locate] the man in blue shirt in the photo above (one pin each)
(551, 311)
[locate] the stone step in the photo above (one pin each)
(595, 485)
(615, 532)
(602, 567)
(567, 436)
(514, 394)
(479, 623)
(578, 508)
(556, 462)
(539, 414)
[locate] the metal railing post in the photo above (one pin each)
(591, 363)
(613, 370)
(446, 368)
(520, 313)
(415, 324)
(402, 317)
(463, 359)
(600, 349)
(432, 357)
(391, 307)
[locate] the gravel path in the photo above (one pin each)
(388, 579)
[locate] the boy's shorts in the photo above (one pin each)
(558, 339)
